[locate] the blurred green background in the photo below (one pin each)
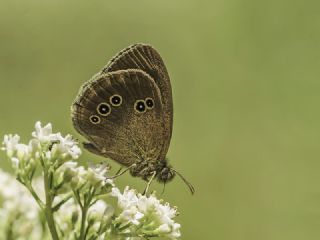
(245, 78)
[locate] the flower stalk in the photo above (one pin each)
(48, 210)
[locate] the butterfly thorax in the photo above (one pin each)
(145, 169)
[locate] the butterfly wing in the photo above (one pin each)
(121, 130)
(146, 58)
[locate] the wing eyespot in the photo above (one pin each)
(149, 103)
(115, 100)
(140, 106)
(94, 119)
(104, 109)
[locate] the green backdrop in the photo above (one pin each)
(245, 78)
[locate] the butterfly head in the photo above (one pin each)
(165, 173)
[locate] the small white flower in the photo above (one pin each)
(44, 134)
(131, 215)
(67, 171)
(175, 232)
(67, 216)
(127, 199)
(15, 163)
(70, 175)
(128, 203)
(65, 149)
(69, 145)
(99, 207)
(164, 228)
(69, 165)
(76, 177)
(108, 213)
(35, 147)
(10, 142)
(21, 155)
(23, 151)
(97, 174)
(98, 210)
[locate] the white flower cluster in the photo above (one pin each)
(19, 213)
(74, 176)
(68, 216)
(77, 196)
(146, 216)
(45, 145)
(20, 217)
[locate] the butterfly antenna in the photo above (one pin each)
(185, 181)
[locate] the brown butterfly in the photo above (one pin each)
(126, 113)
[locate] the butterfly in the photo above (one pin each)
(126, 113)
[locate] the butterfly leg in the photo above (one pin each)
(149, 183)
(119, 173)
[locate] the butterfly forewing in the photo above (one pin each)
(146, 58)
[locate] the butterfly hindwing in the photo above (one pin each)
(109, 112)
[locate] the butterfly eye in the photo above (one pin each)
(140, 106)
(104, 109)
(95, 119)
(149, 103)
(116, 100)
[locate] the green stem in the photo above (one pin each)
(87, 199)
(48, 211)
(84, 212)
(35, 196)
(48, 207)
(63, 201)
(28, 185)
